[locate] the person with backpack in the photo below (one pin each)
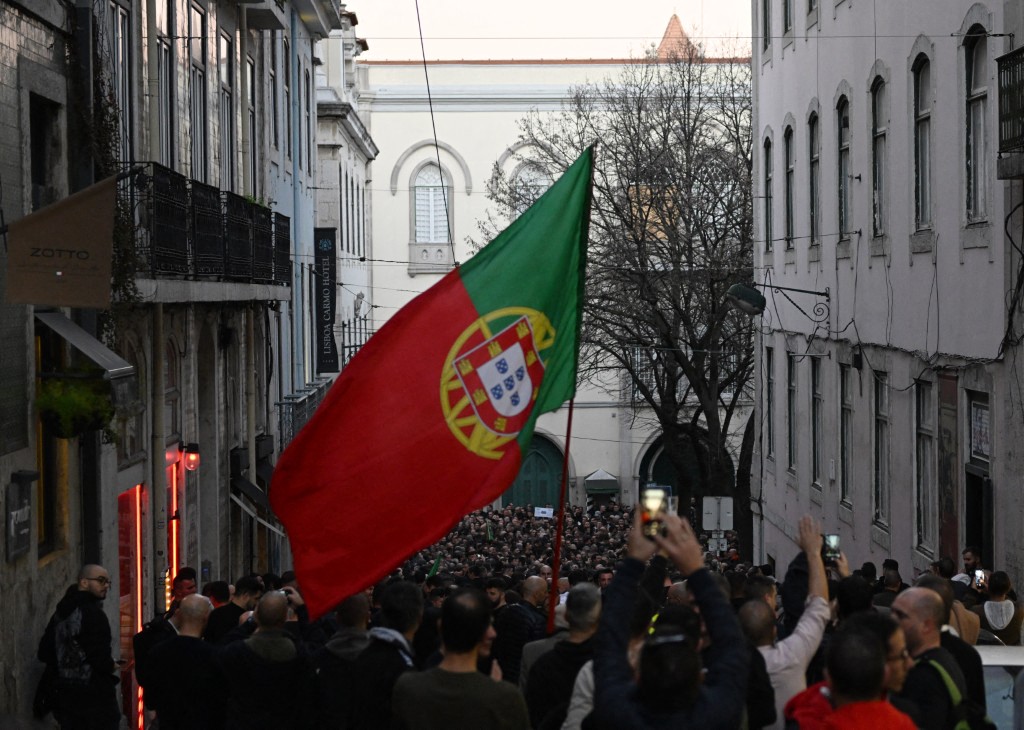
(935, 685)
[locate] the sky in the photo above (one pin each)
(540, 29)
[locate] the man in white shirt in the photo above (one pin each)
(787, 660)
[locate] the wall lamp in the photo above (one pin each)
(189, 455)
(747, 299)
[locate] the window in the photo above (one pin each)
(307, 125)
(432, 195)
(275, 128)
(530, 183)
(976, 55)
(791, 425)
(131, 443)
(766, 24)
(165, 72)
(119, 47)
(817, 408)
(197, 92)
(787, 16)
(922, 143)
(767, 195)
(286, 74)
(769, 399)
(814, 177)
(254, 146)
(845, 432)
(812, 5)
(881, 475)
(790, 182)
(45, 150)
(843, 138)
(227, 112)
(878, 127)
(172, 392)
(924, 472)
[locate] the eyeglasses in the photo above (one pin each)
(901, 657)
(899, 614)
(102, 580)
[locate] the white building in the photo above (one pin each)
(477, 105)
(894, 415)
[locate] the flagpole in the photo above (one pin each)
(560, 527)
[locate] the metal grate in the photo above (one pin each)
(262, 243)
(237, 236)
(1011, 101)
(298, 408)
(207, 229)
(282, 250)
(167, 195)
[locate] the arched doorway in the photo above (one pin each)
(540, 476)
(657, 468)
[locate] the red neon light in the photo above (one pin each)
(174, 520)
(140, 705)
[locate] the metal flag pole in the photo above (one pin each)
(560, 527)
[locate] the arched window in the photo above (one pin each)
(976, 60)
(172, 392)
(529, 184)
(767, 195)
(879, 125)
(843, 168)
(432, 196)
(790, 182)
(131, 443)
(814, 176)
(922, 142)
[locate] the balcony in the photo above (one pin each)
(192, 232)
(265, 14)
(298, 408)
(1010, 164)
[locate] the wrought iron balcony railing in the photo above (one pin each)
(1011, 101)
(298, 408)
(187, 229)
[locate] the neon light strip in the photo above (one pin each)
(174, 522)
(140, 705)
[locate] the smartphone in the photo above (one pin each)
(653, 502)
(830, 548)
(979, 578)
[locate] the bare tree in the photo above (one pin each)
(670, 233)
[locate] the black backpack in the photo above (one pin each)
(969, 715)
(155, 632)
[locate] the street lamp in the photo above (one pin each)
(747, 299)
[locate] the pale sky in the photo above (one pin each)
(540, 29)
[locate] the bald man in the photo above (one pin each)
(519, 624)
(270, 679)
(921, 614)
(184, 686)
(76, 647)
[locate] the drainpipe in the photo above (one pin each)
(250, 390)
(158, 493)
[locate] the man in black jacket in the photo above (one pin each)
(76, 648)
(270, 681)
(520, 624)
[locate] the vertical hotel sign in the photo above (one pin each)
(326, 291)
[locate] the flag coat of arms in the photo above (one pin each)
(431, 419)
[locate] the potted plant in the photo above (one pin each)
(69, 406)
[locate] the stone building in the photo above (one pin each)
(206, 109)
(889, 400)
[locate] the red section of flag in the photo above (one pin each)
(377, 472)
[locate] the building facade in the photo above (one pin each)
(207, 112)
(887, 386)
(428, 202)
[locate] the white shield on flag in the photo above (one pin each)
(507, 380)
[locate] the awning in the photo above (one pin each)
(601, 482)
(264, 471)
(117, 370)
(250, 490)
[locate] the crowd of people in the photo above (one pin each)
(651, 631)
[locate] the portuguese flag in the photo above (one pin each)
(431, 419)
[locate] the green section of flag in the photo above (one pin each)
(539, 263)
(434, 567)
